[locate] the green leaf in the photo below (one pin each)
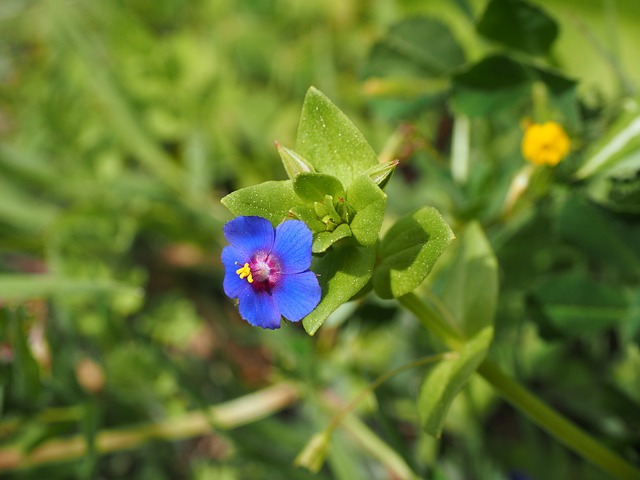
(617, 146)
(369, 203)
(619, 192)
(330, 141)
(18, 287)
(313, 187)
(307, 213)
(603, 236)
(419, 46)
(493, 83)
(342, 272)
(293, 162)
(271, 200)
(445, 380)
(381, 173)
(573, 305)
(471, 290)
(323, 240)
(409, 251)
(562, 93)
(520, 25)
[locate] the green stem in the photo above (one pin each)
(565, 431)
(555, 424)
(431, 319)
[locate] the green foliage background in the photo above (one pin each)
(123, 124)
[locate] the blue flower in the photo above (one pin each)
(268, 272)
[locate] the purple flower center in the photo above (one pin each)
(265, 270)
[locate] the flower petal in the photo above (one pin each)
(249, 234)
(259, 309)
(232, 259)
(292, 246)
(297, 295)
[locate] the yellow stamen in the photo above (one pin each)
(245, 271)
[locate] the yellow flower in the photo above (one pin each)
(545, 143)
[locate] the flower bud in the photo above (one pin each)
(314, 453)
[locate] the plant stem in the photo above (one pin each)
(432, 320)
(554, 423)
(565, 431)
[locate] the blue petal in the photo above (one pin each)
(249, 234)
(293, 246)
(232, 259)
(297, 295)
(259, 309)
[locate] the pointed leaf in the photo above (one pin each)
(330, 141)
(293, 162)
(381, 173)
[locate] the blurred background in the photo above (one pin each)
(123, 123)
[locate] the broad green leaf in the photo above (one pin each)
(369, 202)
(617, 146)
(313, 187)
(419, 46)
(342, 273)
(573, 305)
(271, 200)
(471, 290)
(493, 83)
(323, 240)
(330, 141)
(19, 287)
(409, 251)
(520, 25)
(443, 382)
